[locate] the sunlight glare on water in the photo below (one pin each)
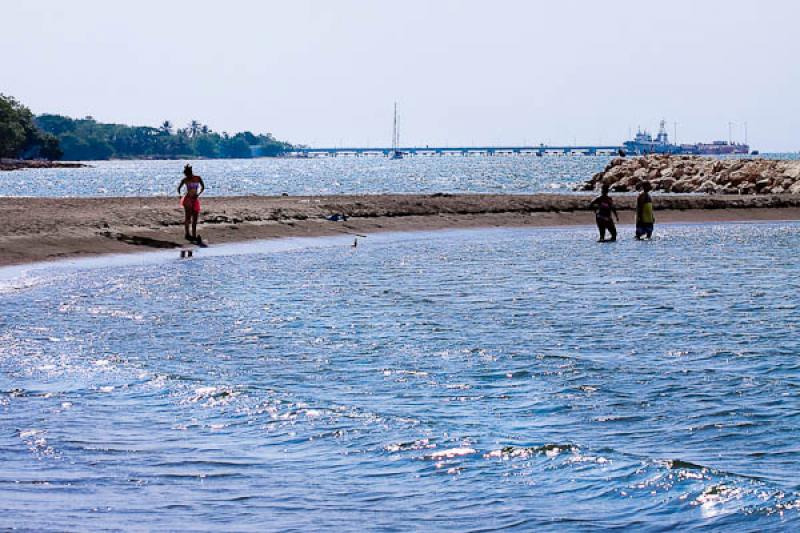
(457, 380)
(339, 175)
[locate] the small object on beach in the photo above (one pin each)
(355, 242)
(336, 218)
(284, 194)
(186, 253)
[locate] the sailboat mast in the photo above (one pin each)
(394, 129)
(395, 153)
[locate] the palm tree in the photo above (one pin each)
(166, 127)
(205, 130)
(194, 128)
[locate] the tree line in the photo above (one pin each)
(49, 136)
(20, 138)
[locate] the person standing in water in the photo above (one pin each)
(603, 207)
(645, 218)
(191, 200)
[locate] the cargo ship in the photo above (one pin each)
(644, 143)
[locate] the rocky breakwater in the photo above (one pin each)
(693, 174)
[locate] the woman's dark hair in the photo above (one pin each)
(187, 170)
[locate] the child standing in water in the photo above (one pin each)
(603, 207)
(645, 218)
(191, 201)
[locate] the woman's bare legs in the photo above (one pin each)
(194, 224)
(188, 218)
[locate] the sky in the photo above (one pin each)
(463, 72)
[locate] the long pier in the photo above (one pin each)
(539, 150)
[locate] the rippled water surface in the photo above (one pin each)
(338, 175)
(446, 381)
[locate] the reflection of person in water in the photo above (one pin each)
(191, 200)
(603, 207)
(645, 218)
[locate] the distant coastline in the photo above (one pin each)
(52, 137)
(87, 139)
(20, 164)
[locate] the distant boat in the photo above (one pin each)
(644, 143)
(395, 152)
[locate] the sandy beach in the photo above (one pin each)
(40, 229)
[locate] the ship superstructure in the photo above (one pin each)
(644, 143)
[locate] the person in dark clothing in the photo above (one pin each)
(644, 212)
(603, 207)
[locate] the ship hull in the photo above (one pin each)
(636, 148)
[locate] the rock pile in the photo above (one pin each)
(689, 174)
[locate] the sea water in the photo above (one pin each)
(329, 175)
(458, 380)
(316, 176)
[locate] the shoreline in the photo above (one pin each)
(9, 165)
(44, 229)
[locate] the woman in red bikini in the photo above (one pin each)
(191, 200)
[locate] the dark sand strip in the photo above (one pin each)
(40, 229)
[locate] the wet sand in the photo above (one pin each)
(40, 229)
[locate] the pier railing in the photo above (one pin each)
(540, 150)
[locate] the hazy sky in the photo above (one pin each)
(327, 72)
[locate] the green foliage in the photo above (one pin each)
(207, 145)
(19, 135)
(80, 148)
(51, 148)
(55, 124)
(86, 138)
(12, 134)
(54, 136)
(236, 147)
